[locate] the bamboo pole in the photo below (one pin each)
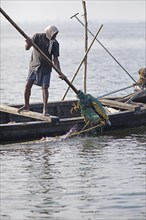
(86, 47)
(106, 50)
(82, 62)
(38, 49)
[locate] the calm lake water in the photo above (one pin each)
(81, 178)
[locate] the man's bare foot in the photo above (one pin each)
(23, 108)
(45, 113)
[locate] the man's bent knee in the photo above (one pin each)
(45, 88)
(29, 85)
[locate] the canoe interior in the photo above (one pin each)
(123, 115)
(61, 109)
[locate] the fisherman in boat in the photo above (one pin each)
(142, 78)
(39, 70)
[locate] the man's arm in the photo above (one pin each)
(57, 64)
(27, 44)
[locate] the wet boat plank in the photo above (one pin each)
(116, 104)
(29, 114)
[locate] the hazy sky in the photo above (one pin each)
(59, 10)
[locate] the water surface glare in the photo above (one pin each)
(80, 178)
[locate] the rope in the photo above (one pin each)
(119, 90)
(85, 130)
(85, 125)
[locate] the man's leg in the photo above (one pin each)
(27, 93)
(45, 94)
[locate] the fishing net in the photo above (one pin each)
(92, 110)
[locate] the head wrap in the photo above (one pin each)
(50, 31)
(142, 72)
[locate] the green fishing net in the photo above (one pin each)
(91, 109)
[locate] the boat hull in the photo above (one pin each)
(19, 128)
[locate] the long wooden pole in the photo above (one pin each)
(82, 61)
(86, 46)
(106, 50)
(38, 49)
(80, 94)
(118, 90)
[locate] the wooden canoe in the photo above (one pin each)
(30, 125)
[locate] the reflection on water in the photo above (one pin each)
(78, 178)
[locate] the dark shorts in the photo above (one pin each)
(41, 77)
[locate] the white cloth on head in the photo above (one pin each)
(50, 31)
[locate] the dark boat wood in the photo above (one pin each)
(20, 127)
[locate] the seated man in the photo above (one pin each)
(142, 78)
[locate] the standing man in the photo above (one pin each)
(39, 70)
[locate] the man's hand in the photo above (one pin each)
(28, 44)
(62, 76)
